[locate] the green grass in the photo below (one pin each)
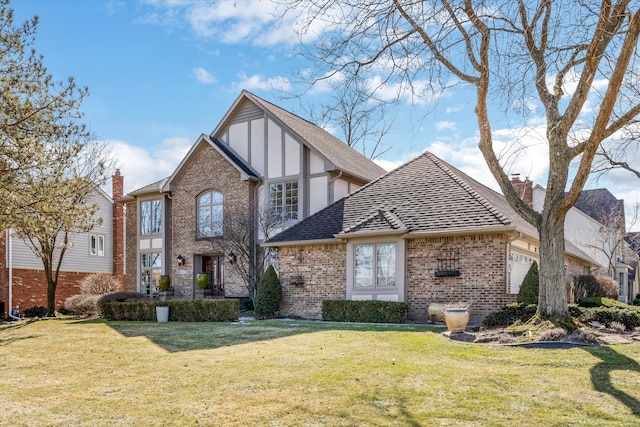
(271, 373)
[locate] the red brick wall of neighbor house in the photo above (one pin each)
(131, 249)
(4, 274)
(323, 268)
(30, 288)
(207, 170)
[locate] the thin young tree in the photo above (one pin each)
(575, 60)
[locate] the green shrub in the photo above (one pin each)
(83, 305)
(606, 315)
(37, 311)
(509, 314)
(200, 310)
(364, 311)
(122, 297)
(605, 302)
(269, 294)
(529, 289)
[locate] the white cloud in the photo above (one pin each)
(453, 109)
(141, 167)
(203, 76)
(258, 82)
(444, 125)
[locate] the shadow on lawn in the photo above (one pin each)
(183, 336)
(601, 375)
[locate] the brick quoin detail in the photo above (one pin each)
(117, 191)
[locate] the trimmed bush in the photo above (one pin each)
(122, 297)
(509, 314)
(200, 310)
(587, 286)
(608, 315)
(529, 289)
(99, 284)
(83, 305)
(37, 311)
(364, 311)
(269, 294)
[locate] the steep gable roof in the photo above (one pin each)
(343, 157)
(602, 206)
(425, 196)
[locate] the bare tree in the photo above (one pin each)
(517, 51)
(242, 229)
(362, 118)
(56, 203)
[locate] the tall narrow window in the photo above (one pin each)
(150, 271)
(210, 214)
(151, 217)
(284, 199)
(96, 244)
(375, 265)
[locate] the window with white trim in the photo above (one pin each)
(96, 244)
(375, 265)
(151, 217)
(150, 271)
(283, 197)
(210, 214)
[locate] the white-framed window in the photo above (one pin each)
(375, 265)
(151, 217)
(283, 197)
(150, 271)
(210, 214)
(96, 245)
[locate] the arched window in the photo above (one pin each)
(210, 206)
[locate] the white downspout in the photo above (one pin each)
(10, 265)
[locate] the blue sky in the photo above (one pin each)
(161, 72)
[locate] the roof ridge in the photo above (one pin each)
(462, 183)
(387, 214)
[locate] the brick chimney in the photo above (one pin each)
(523, 188)
(117, 191)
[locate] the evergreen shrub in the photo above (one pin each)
(269, 294)
(529, 289)
(364, 311)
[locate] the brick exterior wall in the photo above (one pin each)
(131, 249)
(206, 170)
(30, 288)
(117, 191)
(481, 282)
(323, 268)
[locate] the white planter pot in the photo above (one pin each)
(162, 314)
(436, 312)
(456, 319)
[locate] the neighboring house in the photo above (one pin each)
(596, 225)
(259, 159)
(423, 233)
(22, 280)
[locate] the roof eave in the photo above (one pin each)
(300, 243)
(371, 233)
(509, 229)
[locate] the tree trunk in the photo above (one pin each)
(552, 299)
(51, 297)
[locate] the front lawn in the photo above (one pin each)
(96, 373)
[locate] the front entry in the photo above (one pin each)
(213, 265)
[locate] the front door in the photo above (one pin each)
(213, 265)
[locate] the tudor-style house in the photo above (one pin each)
(259, 162)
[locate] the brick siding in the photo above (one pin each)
(323, 268)
(206, 170)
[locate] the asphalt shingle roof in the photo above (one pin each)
(602, 206)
